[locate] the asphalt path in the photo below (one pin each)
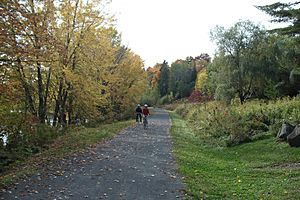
(136, 164)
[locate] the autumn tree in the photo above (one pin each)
(90, 47)
(153, 74)
(151, 94)
(67, 56)
(127, 84)
(200, 65)
(26, 38)
(61, 60)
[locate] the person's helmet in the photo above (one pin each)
(138, 105)
(146, 105)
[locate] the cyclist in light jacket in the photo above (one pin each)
(146, 113)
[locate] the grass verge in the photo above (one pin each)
(76, 139)
(263, 169)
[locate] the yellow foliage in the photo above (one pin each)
(201, 79)
(128, 82)
(82, 67)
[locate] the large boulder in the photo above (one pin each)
(285, 130)
(294, 138)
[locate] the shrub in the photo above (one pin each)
(25, 136)
(150, 97)
(237, 124)
(198, 96)
(165, 100)
(183, 109)
(42, 136)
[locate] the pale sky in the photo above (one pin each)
(159, 30)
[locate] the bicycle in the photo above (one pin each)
(145, 121)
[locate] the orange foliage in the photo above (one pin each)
(153, 75)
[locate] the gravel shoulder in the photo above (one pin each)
(136, 164)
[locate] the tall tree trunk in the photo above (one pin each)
(27, 90)
(42, 110)
(47, 90)
(70, 108)
(58, 102)
(242, 98)
(62, 113)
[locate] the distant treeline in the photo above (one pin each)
(249, 62)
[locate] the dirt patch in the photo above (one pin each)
(285, 166)
(289, 166)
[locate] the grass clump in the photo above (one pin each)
(263, 169)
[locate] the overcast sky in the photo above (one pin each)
(160, 30)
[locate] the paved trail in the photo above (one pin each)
(136, 164)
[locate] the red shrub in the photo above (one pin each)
(198, 96)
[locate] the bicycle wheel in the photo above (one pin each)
(145, 122)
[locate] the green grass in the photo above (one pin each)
(75, 140)
(264, 169)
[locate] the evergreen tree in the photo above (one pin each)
(284, 12)
(163, 82)
(182, 77)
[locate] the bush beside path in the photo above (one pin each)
(136, 164)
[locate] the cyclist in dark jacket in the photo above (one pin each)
(138, 112)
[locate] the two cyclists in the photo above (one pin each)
(142, 112)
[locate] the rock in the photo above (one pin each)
(294, 138)
(285, 130)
